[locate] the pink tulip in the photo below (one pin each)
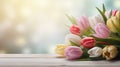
(94, 20)
(101, 30)
(75, 29)
(114, 12)
(73, 52)
(107, 13)
(83, 23)
(88, 42)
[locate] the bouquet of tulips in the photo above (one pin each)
(93, 38)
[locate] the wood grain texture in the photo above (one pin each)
(45, 60)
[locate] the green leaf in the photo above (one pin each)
(99, 45)
(88, 31)
(110, 14)
(84, 59)
(72, 19)
(67, 25)
(97, 58)
(115, 35)
(104, 9)
(119, 22)
(102, 14)
(74, 44)
(91, 59)
(110, 40)
(85, 54)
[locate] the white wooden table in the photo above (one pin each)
(45, 60)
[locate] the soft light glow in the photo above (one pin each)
(38, 24)
(117, 3)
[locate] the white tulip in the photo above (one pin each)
(94, 20)
(107, 14)
(95, 52)
(72, 37)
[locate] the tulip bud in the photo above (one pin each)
(95, 52)
(83, 23)
(113, 24)
(107, 13)
(73, 52)
(118, 14)
(101, 31)
(110, 52)
(72, 37)
(60, 49)
(88, 42)
(75, 30)
(94, 20)
(114, 12)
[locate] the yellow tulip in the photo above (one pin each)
(60, 49)
(114, 24)
(110, 52)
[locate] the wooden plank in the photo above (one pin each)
(45, 60)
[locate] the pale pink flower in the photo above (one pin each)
(83, 23)
(101, 30)
(94, 20)
(107, 13)
(73, 52)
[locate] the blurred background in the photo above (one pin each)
(36, 26)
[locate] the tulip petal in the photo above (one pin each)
(101, 31)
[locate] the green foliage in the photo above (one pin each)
(102, 12)
(104, 9)
(72, 19)
(110, 40)
(74, 44)
(88, 32)
(97, 58)
(85, 54)
(110, 14)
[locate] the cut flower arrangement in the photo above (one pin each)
(93, 38)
